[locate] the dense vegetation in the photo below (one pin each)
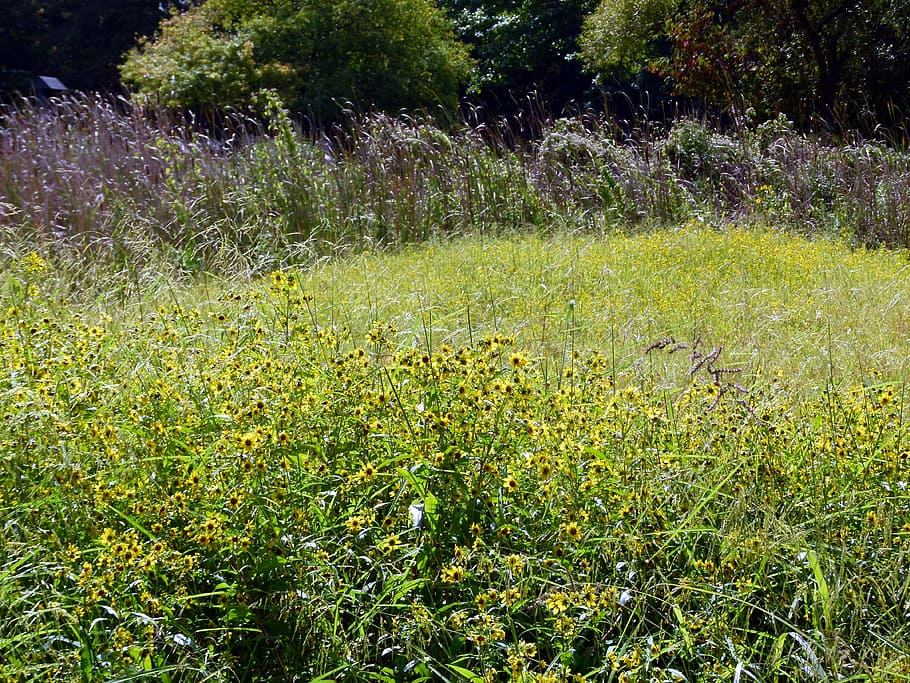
(128, 189)
(462, 398)
(525, 46)
(842, 63)
(602, 403)
(836, 59)
(317, 56)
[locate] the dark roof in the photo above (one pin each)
(50, 83)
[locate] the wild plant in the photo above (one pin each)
(101, 179)
(246, 487)
(706, 363)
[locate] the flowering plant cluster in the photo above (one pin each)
(237, 491)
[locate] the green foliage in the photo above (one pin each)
(237, 486)
(106, 189)
(836, 59)
(194, 64)
(476, 460)
(523, 45)
(839, 59)
(385, 54)
(707, 159)
(620, 37)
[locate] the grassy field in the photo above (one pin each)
(770, 299)
(676, 455)
(525, 400)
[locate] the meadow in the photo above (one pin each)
(410, 404)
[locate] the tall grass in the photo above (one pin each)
(91, 176)
(476, 462)
(255, 486)
(774, 301)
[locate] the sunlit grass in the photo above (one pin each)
(810, 311)
(473, 461)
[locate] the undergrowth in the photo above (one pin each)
(94, 180)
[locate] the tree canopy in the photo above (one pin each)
(524, 45)
(838, 58)
(318, 56)
(841, 59)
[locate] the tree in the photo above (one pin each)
(622, 37)
(316, 55)
(523, 45)
(839, 56)
(836, 58)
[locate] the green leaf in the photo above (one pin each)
(465, 674)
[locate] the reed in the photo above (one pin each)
(88, 179)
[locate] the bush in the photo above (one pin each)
(697, 151)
